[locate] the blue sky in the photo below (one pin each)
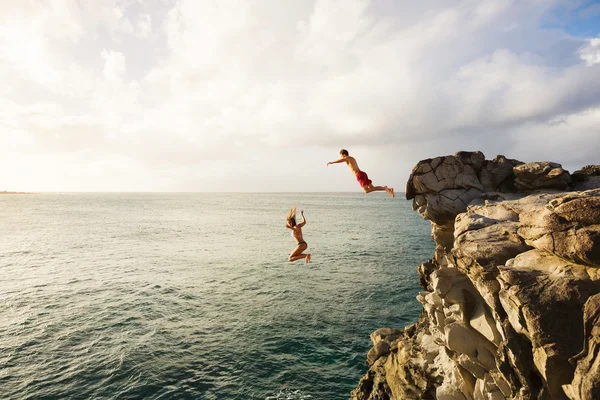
(578, 19)
(231, 95)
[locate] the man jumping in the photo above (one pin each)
(361, 176)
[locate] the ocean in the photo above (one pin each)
(190, 295)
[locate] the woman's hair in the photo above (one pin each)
(291, 217)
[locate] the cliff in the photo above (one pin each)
(511, 297)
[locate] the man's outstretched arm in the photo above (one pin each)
(341, 160)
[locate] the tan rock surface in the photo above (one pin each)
(511, 296)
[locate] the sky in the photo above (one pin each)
(257, 96)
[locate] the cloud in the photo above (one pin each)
(576, 136)
(591, 52)
(193, 86)
(144, 25)
(114, 65)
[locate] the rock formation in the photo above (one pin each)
(511, 300)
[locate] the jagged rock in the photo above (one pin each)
(541, 175)
(387, 334)
(498, 175)
(511, 300)
(486, 236)
(373, 385)
(486, 389)
(442, 207)
(379, 350)
(586, 383)
(405, 379)
(543, 296)
(383, 341)
(458, 385)
(425, 270)
(462, 339)
(569, 226)
(443, 236)
(396, 376)
(586, 178)
(443, 187)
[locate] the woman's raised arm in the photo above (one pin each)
(303, 219)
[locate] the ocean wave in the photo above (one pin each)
(288, 394)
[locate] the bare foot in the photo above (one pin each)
(391, 191)
(307, 259)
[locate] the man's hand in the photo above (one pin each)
(328, 163)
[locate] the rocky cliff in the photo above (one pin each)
(511, 297)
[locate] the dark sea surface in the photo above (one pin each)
(190, 296)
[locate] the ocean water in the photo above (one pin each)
(190, 296)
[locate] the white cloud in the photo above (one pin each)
(144, 25)
(576, 137)
(114, 65)
(213, 89)
(591, 52)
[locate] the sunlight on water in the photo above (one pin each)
(190, 296)
(290, 395)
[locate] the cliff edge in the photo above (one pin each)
(511, 297)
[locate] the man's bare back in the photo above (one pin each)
(361, 176)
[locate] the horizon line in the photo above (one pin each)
(180, 192)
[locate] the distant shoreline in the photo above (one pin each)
(7, 192)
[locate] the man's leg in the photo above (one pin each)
(371, 188)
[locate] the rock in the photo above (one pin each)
(396, 376)
(462, 339)
(586, 178)
(442, 187)
(569, 226)
(379, 350)
(511, 297)
(486, 389)
(541, 175)
(373, 385)
(442, 207)
(543, 296)
(387, 334)
(405, 379)
(425, 271)
(586, 382)
(458, 385)
(498, 175)
(482, 243)
(443, 236)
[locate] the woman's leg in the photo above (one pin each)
(296, 254)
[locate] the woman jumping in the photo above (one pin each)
(297, 235)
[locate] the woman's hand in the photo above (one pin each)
(302, 212)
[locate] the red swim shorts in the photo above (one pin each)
(363, 179)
